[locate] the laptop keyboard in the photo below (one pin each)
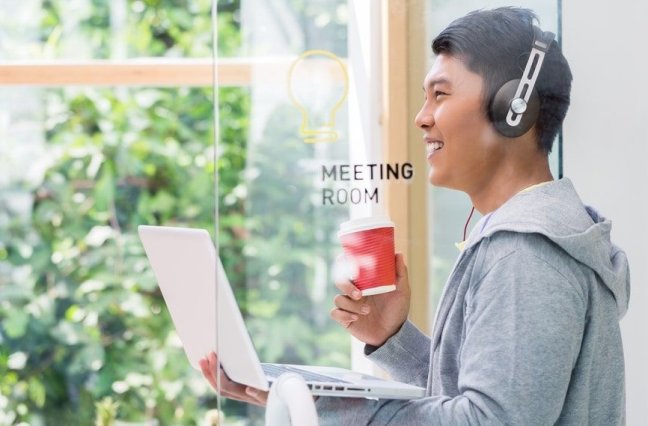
(274, 371)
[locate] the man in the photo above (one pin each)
(527, 329)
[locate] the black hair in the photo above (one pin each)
(496, 45)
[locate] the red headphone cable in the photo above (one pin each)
(467, 222)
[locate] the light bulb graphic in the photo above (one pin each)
(318, 84)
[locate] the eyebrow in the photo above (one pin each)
(435, 81)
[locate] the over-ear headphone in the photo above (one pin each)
(514, 108)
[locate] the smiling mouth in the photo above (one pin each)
(433, 146)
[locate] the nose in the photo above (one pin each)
(424, 119)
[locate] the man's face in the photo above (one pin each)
(463, 148)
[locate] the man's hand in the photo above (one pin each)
(373, 319)
(229, 389)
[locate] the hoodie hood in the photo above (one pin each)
(556, 211)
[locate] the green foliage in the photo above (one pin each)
(173, 28)
(84, 333)
(84, 309)
(106, 412)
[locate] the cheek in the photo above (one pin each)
(474, 117)
(471, 124)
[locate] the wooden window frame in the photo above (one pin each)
(404, 54)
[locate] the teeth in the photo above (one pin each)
(433, 146)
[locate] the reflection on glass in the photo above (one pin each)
(277, 238)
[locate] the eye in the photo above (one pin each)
(438, 93)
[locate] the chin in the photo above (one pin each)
(436, 179)
(441, 181)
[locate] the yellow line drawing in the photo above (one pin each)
(326, 131)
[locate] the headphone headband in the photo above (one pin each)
(518, 106)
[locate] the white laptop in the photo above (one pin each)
(189, 273)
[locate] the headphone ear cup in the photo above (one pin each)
(500, 105)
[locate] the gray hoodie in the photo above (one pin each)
(527, 329)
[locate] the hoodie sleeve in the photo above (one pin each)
(522, 336)
(405, 355)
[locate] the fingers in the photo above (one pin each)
(345, 303)
(209, 366)
(401, 268)
(401, 275)
(208, 373)
(348, 310)
(229, 389)
(347, 288)
(343, 317)
(257, 396)
(344, 272)
(349, 304)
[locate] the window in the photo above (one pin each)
(107, 123)
(97, 138)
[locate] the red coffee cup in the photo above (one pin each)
(368, 245)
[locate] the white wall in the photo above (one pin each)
(606, 150)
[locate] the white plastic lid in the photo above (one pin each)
(364, 223)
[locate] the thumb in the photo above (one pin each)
(401, 270)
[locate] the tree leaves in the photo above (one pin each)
(77, 296)
(15, 324)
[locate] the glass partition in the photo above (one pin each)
(284, 132)
(315, 155)
(85, 337)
